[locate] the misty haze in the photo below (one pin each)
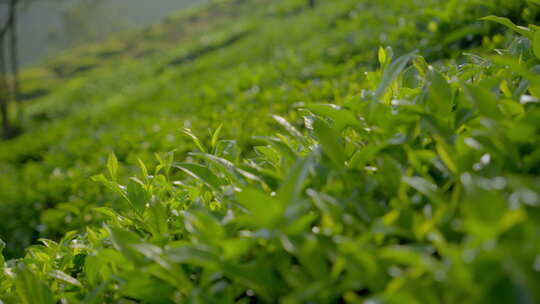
(43, 29)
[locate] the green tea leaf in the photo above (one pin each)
(536, 44)
(193, 255)
(215, 136)
(382, 56)
(112, 166)
(390, 74)
(195, 139)
(137, 195)
(62, 276)
(484, 101)
(361, 157)
(143, 169)
(447, 154)
(223, 165)
(200, 173)
(439, 98)
(330, 141)
(157, 219)
(30, 288)
(291, 187)
(425, 187)
(289, 127)
(204, 226)
(340, 117)
(263, 210)
(526, 32)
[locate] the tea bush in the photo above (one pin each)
(233, 62)
(411, 183)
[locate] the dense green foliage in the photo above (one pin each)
(385, 179)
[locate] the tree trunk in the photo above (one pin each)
(311, 3)
(4, 86)
(4, 95)
(14, 58)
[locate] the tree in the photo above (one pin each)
(13, 43)
(9, 92)
(311, 3)
(80, 25)
(4, 89)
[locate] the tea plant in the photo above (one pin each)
(422, 189)
(232, 62)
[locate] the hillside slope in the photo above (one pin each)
(231, 63)
(368, 197)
